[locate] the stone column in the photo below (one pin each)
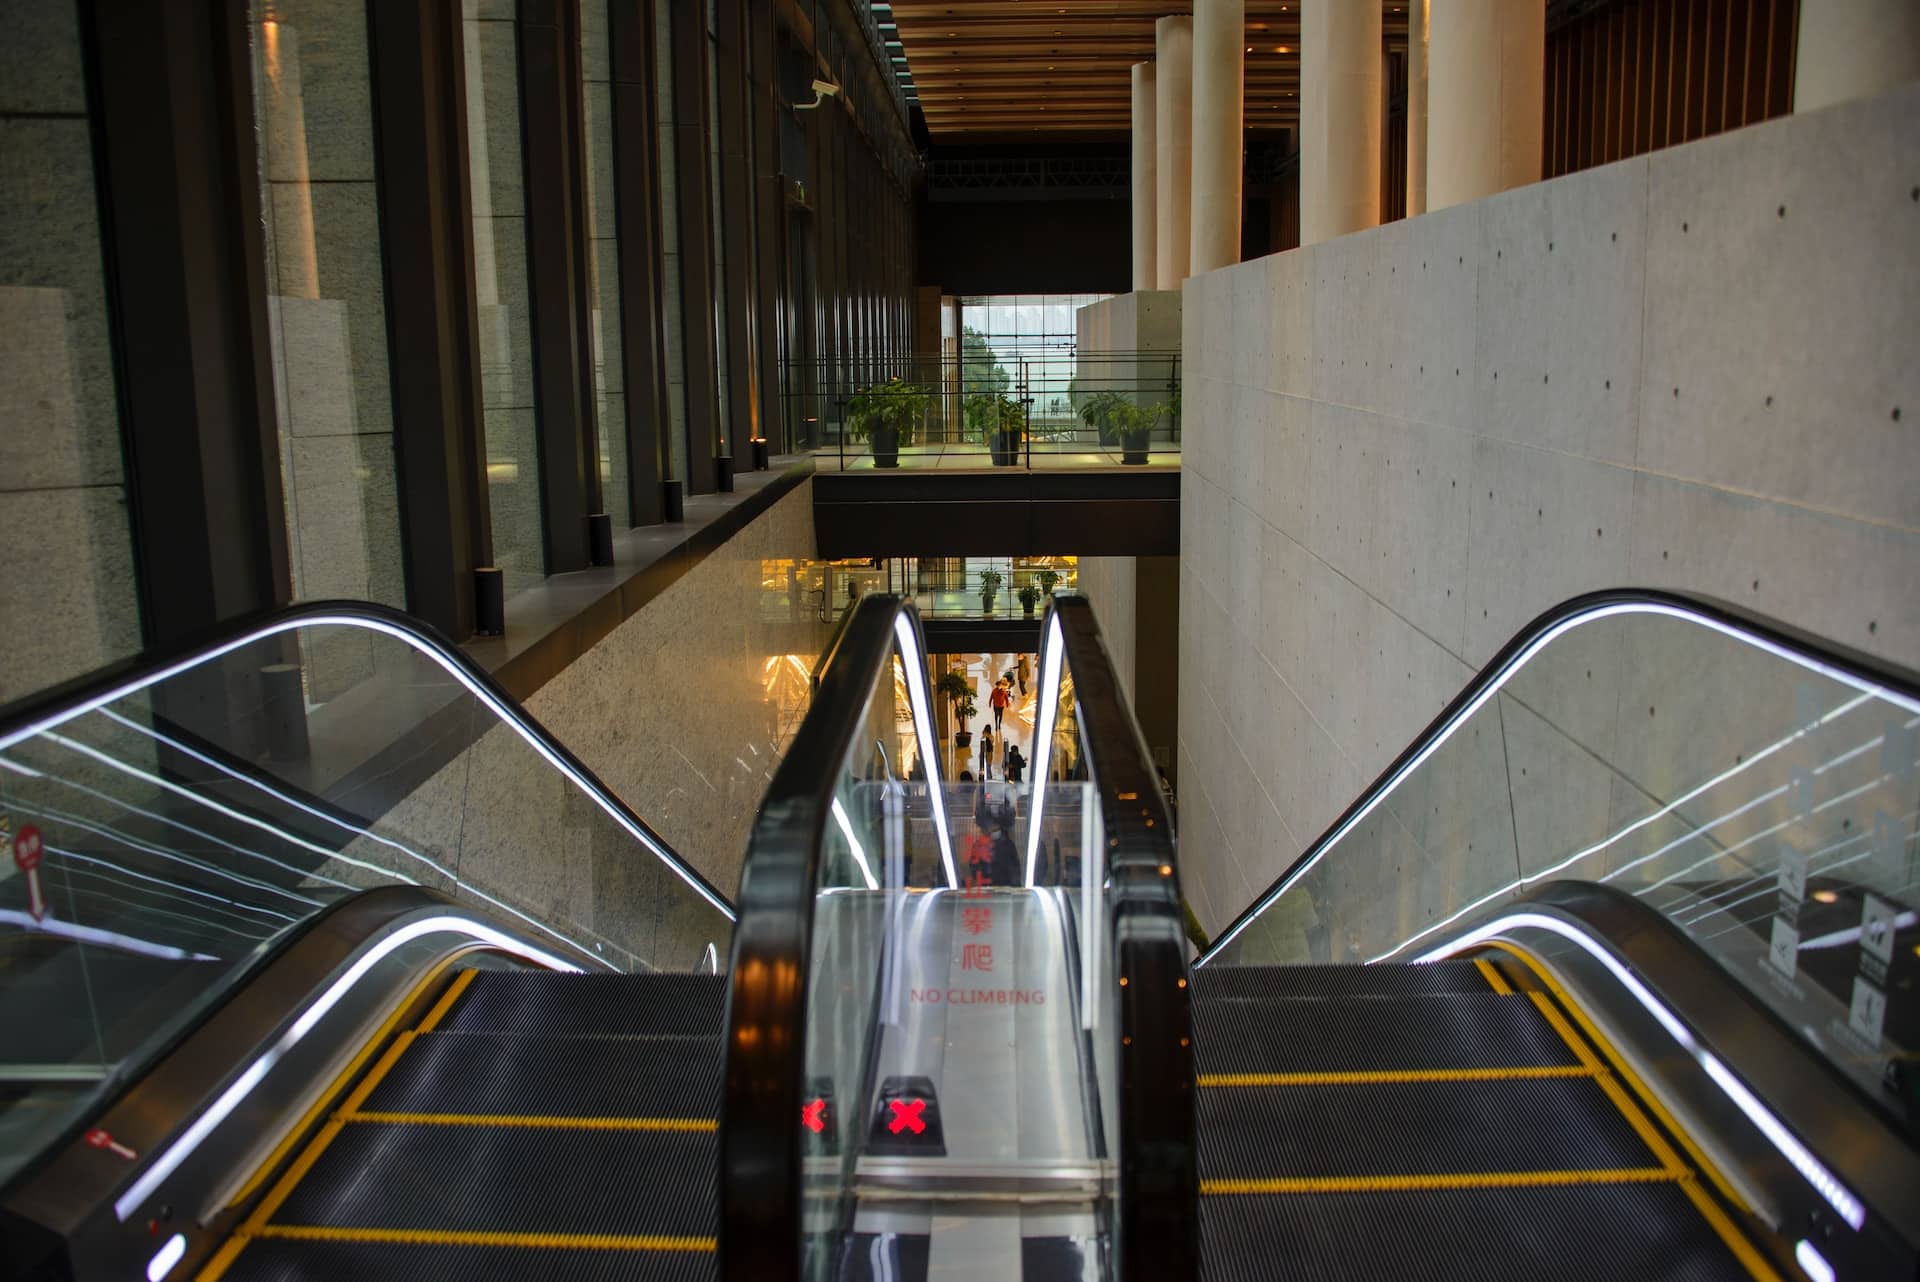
(1416, 107)
(1145, 248)
(1219, 128)
(1340, 118)
(1854, 48)
(1173, 138)
(1487, 76)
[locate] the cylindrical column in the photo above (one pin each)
(1854, 48)
(1219, 125)
(1340, 111)
(1145, 246)
(1172, 140)
(1416, 107)
(1486, 86)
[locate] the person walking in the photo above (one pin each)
(1016, 763)
(999, 699)
(986, 752)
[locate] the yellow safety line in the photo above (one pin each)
(1440, 1180)
(1723, 1226)
(299, 1130)
(1495, 980)
(1632, 1079)
(475, 1237)
(447, 999)
(703, 1124)
(1388, 1076)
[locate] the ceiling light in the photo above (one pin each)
(1249, 48)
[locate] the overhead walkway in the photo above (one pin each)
(945, 1030)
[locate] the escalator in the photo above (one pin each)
(427, 1001)
(337, 965)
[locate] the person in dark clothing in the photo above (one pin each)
(1016, 763)
(986, 752)
(996, 820)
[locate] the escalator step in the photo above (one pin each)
(552, 1005)
(280, 1260)
(1303, 1034)
(485, 1073)
(1570, 1234)
(1409, 1128)
(1228, 982)
(511, 1179)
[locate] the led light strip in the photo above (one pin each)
(222, 1107)
(1506, 674)
(1050, 660)
(853, 844)
(51, 925)
(920, 699)
(500, 709)
(1837, 1195)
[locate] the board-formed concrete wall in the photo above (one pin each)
(1694, 369)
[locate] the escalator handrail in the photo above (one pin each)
(1816, 1109)
(760, 1189)
(1838, 661)
(23, 718)
(1158, 1158)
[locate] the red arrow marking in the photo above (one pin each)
(813, 1116)
(906, 1115)
(99, 1138)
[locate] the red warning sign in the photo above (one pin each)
(27, 853)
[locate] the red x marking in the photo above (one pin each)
(906, 1115)
(813, 1116)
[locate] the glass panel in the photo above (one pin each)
(187, 825)
(326, 300)
(500, 278)
(945, 1041)
(603, 264)
(67, 580)
(1762, 801)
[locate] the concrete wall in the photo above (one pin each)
(1109, 582)
(1692, 369)
(1136, 600)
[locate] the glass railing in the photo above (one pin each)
(174, 824)
(1757, 788)
(971, 587)
(1036, 409)
(993, 974)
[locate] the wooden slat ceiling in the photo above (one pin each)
(1026, 67)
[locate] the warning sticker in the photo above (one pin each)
(1784, 949)
(1868, 1013)
(1876, 930)
(1793, 877)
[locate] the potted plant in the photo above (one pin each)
(954, 687)
(1009, 416)
(1046, 579)
(886, 415)
(1133, 425)
(1029, 598)
(990, 581)
(1097, 410)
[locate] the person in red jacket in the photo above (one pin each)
(999, 699)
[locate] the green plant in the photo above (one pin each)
(953, 685)
(1133, 424)
(1097, 409)
(963, 713)
(890, 404)
(1029, 597)
(1046, 579)
(990, 581)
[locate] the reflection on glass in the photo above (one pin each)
(1764, 803)
(184, 831)
(326, 305)
(500, 280)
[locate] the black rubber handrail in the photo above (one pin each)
(100, 686)
(1159, 1212)
(761, 1224)
(1706, 610)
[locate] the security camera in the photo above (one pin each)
(822, 90)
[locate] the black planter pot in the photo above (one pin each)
(886, 446)
(963, 738)
(1026, 608)
(1006, 448)
(1133, 451)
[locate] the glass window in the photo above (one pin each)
(603, 264)
(500, 276)
(670, 248)
(326, 300)
(67, 587)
